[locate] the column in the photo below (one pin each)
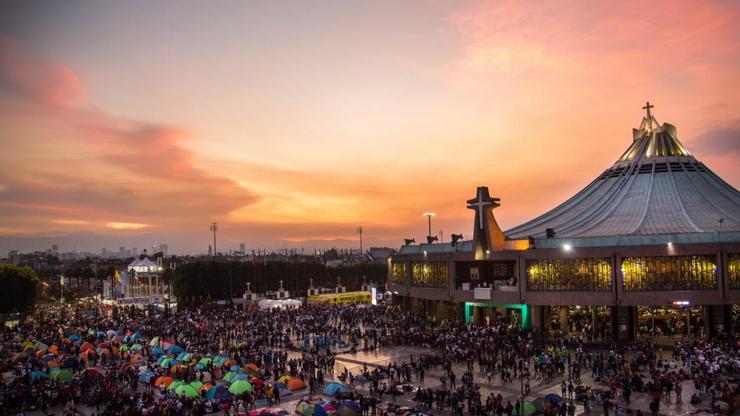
(564, 321)
(594, 318)
(538, 318)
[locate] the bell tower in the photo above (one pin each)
(487, 235)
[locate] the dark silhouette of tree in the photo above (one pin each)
(19, 288)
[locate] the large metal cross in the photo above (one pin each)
(480, 204)
(647, 108)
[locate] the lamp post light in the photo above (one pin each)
(429, 216)
(61, 289)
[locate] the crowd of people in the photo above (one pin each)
(86, 357)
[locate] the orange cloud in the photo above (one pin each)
(126, 225)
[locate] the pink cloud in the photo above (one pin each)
(145, 173)
(34, 79)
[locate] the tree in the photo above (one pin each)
(19, 288)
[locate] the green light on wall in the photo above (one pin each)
(524, 310)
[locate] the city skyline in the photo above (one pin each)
(292, 125)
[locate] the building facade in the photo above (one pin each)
(651, 247)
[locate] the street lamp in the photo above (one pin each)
(61, 289)
(429, 216)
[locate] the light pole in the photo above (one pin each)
(429, 216)
(359, 231)
(61, 289)
(214, 228)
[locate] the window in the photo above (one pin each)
(589, 274)
(398, 273)
(669, 273)
(429, 274)
(733, 271)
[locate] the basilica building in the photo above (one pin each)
(651, 247)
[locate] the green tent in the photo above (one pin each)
(527, 409)
(187, 391)
(62, 375)
(175, 384)
(240, 386)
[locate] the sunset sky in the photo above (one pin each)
(128, 123)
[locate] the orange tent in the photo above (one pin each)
(87, 346)
(205, 388)
(53, 349)
(175, 368)
(229, 363)
(136, 358)
(251, 366)
(86, 354)
(52, 364)
(166, 381)
(296, 384)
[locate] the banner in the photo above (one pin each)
(140, 300)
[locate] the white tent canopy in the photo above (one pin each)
(279, 303)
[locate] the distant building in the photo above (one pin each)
(142, 277)
(379, 254)
(242, 249)
(14, 257)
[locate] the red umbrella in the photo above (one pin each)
(257, 383)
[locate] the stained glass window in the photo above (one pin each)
(669, 273)
(429, 274)
(733, 271)
(587, 274)
(398, 273)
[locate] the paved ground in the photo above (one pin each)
(509, 391)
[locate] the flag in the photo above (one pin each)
(117, 276)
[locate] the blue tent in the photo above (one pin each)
(350, 405)
(145, 376)
(74, 338)
(175, 349)
(36, 375)
(181, 356)
(157, 351)
(218, 393)
(238, 377)
(331, 389)
(555, 398)
(68, 362)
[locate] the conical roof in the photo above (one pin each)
(656, 187)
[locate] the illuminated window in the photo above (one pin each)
(589, 274)
(398, 273)
(429, 274)
(733, 271)
(669, 273)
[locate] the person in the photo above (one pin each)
(678, 390)
(571, 409)
(654, 407)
